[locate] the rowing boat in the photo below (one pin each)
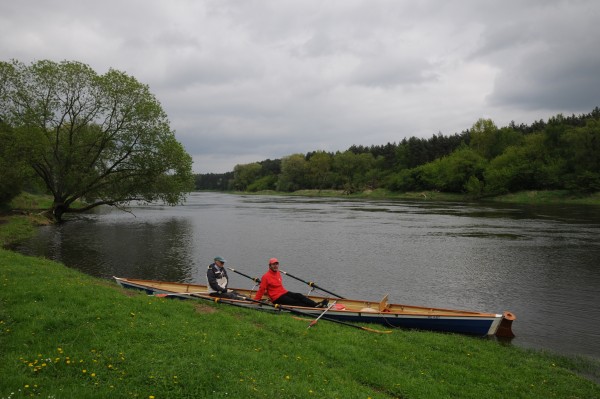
(352, 310)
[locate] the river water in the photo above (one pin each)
(541, 263)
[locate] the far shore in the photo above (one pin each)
(532, 197)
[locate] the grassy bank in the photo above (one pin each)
(64, 334)
(550, 197)
(67, 335)
(524, 197)
(20, 219)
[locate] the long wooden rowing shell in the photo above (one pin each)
(351, 310)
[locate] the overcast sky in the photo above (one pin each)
(248, 80)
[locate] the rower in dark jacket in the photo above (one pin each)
(217, 279)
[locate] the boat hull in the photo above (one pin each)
(353, 311)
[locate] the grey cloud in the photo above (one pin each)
(569, 85)
(268, 78)
(389, 74)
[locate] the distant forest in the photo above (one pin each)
(560, 154)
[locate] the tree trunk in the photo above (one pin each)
(58, 209)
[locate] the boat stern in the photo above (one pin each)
(505, 328)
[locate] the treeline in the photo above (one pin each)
(562, 153)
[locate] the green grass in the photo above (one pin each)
(20, 219)
(550, 197)
(523, 197)
(28, 202)
(64, 334)
(18, 227)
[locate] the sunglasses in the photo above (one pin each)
(275, 263)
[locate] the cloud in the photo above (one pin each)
(251, 80)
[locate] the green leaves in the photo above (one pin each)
(104, 139)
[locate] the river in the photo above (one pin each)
(540, 262)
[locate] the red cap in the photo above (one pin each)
(273, 260)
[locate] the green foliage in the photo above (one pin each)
(244, 175)
(11, 165)
(214, 181)
(448, 174)
(319, 166)
(489, 141)
(455, 170)
(474, 187)
(563, 153)
(582, 148)
(293, 175)
(264, 183)
(482, 135)
(352, 169)
(530, 166)
(101, 138)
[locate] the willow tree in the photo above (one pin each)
(95, 139)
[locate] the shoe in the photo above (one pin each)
(322, 304)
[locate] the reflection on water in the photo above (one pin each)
(541, 263)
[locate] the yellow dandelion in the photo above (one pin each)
(93, 374)
(26, 385)
(84, 371)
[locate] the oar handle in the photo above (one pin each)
(312, 323)
(311, 284)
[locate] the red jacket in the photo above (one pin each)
(272, 285)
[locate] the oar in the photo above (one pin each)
(298, 312)
(178, 293)
(311, 284)
(312, 323)
(206, 295)
(255, 279)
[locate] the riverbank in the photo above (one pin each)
(65, 334)
(523, 197)
(20, 219)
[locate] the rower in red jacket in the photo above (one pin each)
(272, 284)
